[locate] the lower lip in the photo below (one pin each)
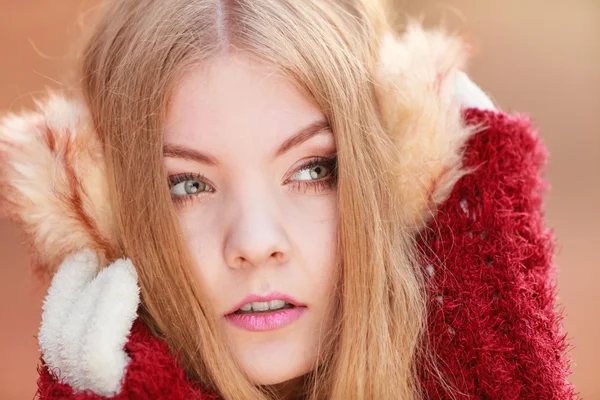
(262, 322)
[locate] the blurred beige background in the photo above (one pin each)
(535, 56)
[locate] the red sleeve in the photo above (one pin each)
(488, 258)
(151, 374)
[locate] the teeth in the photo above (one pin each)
(260, 306)
(263, 305)
(275, 304)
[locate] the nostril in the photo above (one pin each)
(245, 248)
(240, 262)
(279, 256)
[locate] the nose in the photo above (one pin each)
(256, 237)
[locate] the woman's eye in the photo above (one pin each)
(188, 187)
(314, 171)
(184, 185)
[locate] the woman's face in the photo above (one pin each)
(252, 173)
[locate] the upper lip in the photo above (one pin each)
(265, 297)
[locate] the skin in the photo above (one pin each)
(256, 222)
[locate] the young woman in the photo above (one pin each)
(265, 173)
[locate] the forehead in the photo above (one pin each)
(235, 100)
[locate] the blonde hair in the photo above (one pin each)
(135, 57)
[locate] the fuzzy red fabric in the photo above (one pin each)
(489, 259)
(151, 374)
(488, 256)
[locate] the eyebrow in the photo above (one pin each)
(303, 135)
(186, 153)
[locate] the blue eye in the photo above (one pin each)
(311, 174)
(187, 184)
(314, 170)
(189, 187)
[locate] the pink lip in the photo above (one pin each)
(266, 321)
(267, 297)
(261, 322)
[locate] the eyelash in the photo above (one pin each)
(302, 186)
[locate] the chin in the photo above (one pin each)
(270, 362)
(270, 378)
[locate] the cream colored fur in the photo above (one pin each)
(53, 180)
(417, 78)
(86, 320)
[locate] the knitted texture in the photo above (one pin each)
(153, 373)
(488, 258)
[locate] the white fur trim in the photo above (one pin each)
(86, 322)
(471, 95)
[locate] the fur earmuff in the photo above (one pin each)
(53, 181)
(417, 97)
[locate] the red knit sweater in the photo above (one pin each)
(488, 256)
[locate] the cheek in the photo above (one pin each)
(313, 268)
(317, 224)
(202, 238)
(316, 241)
